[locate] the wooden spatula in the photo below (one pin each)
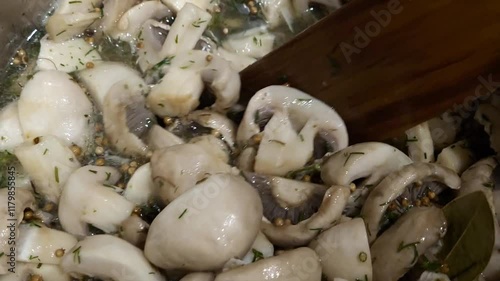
(388, 65)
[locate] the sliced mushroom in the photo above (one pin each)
(300, 234)
(38, 244)
(398, 248)
(344, 251)
(11, 214)
(153, 34)
(193, 164)
(256, 42)
(180, 89)
(218, 122)
(300, 264)
(129, 26)
(456, 157)
(176, 5)
(261, 249)
(420, 145)
(134, 230)
(444, 130)
(126, 119)
(89, 197)
(99, 80)
(112, 12)
(11, 134)
(109, 257)
(219, 215)
(63, 27)
(26, 271)
(140, 187)
(51, 103)
(199, 276)
(69, 6)
(159, 138)
(299, 112)
(395, 184)
(49, 163)
(66, 56)
(489, 116)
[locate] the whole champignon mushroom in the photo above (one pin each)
(398, 248)
(344, 251)
(51, 103)
(15, 202)
(302, 233)
(420, 144)
(25, 271)
(49, 163)
(199, 276)
(38, 243)
(288, 138)
(193, 164)
(179, 91)
(395, 184)
(109, 257)
(456, 157)
(11, 134)
(205, 227)
(89, 197)
(301, 264)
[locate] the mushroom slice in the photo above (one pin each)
(63, 27)
(190, 23)
(419, 142)
(286, 199)
(177, 5)
(193, 164)
(70, 6)
(300, 234)
(456, 157)
(88, 197)
(179, 91)
(109, 257)
(66, 56)
(10, 129)
(444, 130)
(11, 214)
(237, 61)
(140, 187)
(102, 77)
(199, 276)
(126, 119)
(344, 251)
(213, 145)
(261, 249)
(219, 215)
(398, 248)
(26, 271)
(301, 264)
(112, 12)
(129, 26)
(49, 163)
(489, 116)
(256, 42)
(38, 244)
(51, 103)
(395, 184)
(134, 230)
(153, 34)
(218, 122)
(159, 138)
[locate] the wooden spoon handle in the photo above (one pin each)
(388, 65)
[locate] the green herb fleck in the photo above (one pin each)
(108, 175)
(183, 213)
(45, 151)
(177, 39)
(56, 174)
(76, 255)
(413, 245)
(93, 171)
(257, 255)
(351, 154)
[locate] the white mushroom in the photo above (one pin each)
(121, 105)
(179, 91)
(10, 129)
(109, 257)
(216, 121)
(14, 202)
(444, 129)
(489, 116)
(304, 232)
(256, 42)
(140, 187)
(219, 215)
(149, 57)
(300, 264)
(38, 244)
(420, 145)
(25, 271)
(49, 163)
(190, 23)
(176, 5)
(293, 111)
(344, 251)
(102, 77)
(66, 56)
(69, 6)
(399, 247)
(88, 197)
(62, 27)
(237, 61)
(134, 230)
(433, 276)
(159, 138)
(199, 276)
(112, 12)
(51, 103)
(395, 184)
(214, 146)
(456, 157)
(129, 26)
(261, 249)
(193, 164)
(277, 11)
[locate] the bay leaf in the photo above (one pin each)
(470, 237)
